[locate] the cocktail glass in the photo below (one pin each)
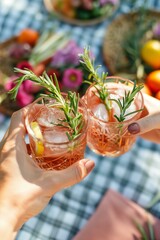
(106, 136)
(50, 146)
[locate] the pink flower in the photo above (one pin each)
(72, 78)
(10, 83)
(27, 86)
(24, 64)
(30, 87)
(23, 98)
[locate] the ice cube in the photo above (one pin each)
(101, 112)
(116, 109)
(50, 117)
(55, 135)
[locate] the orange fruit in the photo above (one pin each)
(28, 35)
(150, 53)
(146, 90)
(157, 95)
(153, 81)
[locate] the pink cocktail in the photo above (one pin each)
(106, 135)
(49, 143)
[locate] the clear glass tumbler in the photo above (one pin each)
(50, 146)
(106, 136)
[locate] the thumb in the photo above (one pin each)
(17, 123)
(145, 124)
(71, 175)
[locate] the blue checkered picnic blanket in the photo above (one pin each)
(136, 174)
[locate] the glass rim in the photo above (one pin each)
(125, 121)
(84, 129)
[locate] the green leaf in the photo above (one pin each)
(142, 231)
(155, 199)
(151, 231)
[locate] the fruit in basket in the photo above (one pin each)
(28, 35)
(153, 81)
(65, 7)
(150, 53)
(157, 95)
(146, 89)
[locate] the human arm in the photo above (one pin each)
(24, 188)
(148, 126)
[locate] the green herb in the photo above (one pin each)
(154, 201)
(69, 105)
(143, 232)
(48, 43)
(95, 77)
(126, 102)
(102, 90)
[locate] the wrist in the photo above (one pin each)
(8, 223)
(6, 231)
(9, 217)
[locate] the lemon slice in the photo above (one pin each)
(39, 147)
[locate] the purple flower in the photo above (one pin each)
(67, 55)
(156, 30)
(72, 78)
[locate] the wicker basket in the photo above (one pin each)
(114, 56)
(50, 8)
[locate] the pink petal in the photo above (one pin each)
(10, 83)
(24, 98)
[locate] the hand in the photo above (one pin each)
(24, 188)
(148, 126)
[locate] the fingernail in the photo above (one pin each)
(89, 165)
(133, 128)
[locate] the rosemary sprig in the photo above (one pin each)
(100, 85)
(69, 105)
(144, 235)
(126, 102)
(95, 77)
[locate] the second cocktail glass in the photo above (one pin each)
(106, 135)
